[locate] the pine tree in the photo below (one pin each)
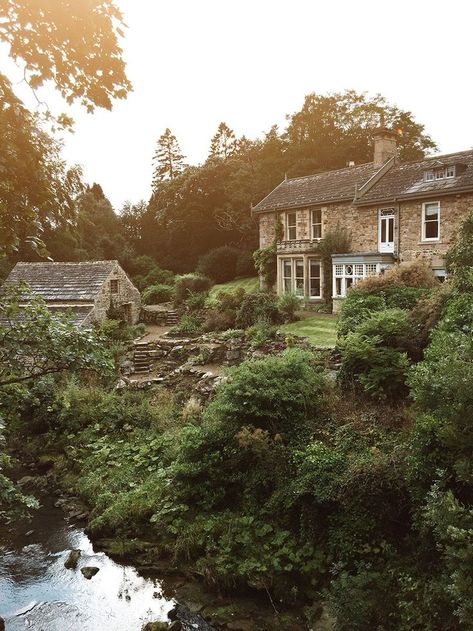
(168, 160)
(224, 143)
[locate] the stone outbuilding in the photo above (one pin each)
(91, 291)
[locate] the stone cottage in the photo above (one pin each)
(393, 211)
(90, 291)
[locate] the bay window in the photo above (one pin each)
(302, 277)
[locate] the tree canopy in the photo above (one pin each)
(73, 44)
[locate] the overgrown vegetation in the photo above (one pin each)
(358, 492)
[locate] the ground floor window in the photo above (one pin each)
(302, 277)
(346, 275)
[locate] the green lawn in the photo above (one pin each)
(249, 285)
(321, 329)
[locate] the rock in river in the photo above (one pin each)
(73, 558)
(88, 572)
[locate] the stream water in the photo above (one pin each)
(39, 594)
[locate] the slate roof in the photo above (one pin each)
(329, 186)
(403, 180)
(63, 281)
(406, 179)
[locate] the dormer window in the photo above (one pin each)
(441, 173)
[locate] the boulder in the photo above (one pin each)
(89, 572)
(2, 624)
(156, 626)
(73, 558)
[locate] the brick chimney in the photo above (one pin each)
(385, 145)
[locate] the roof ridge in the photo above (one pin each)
(437, 156)
(301, 177)
(65, 262)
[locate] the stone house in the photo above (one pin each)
(393, 211)
(89, 290)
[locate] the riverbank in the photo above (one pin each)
(134, 585)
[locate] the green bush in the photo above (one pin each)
(278, 393)
(288, 304)
(356, 308)
(157, 294)
(260, 334)
(188, 284)
(257, 307)
(460, 255)
(189, 324)
(219, 264)
(195, 301)
(158, 276)
(245, 265)
(374, 354)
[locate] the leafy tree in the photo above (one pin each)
(36, 188)
(168, 159)
(331, 129)
(75, 45)
(224, 143)
(35, 342)
(131, 220)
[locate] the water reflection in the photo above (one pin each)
(38, 593)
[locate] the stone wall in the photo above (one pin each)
(267, 229)
(452, 210)
(127, 294)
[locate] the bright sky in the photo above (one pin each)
(249, 63)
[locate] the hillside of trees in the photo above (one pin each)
(192, 209)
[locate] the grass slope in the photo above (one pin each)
(320, 329)
(249, 285)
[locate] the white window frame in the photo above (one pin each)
(430, 239)
(293, 278)
(386, 214)
(291, 227)
(452, 170)
(315, 224)
(429, 176)
(349, 274)
(310, 277)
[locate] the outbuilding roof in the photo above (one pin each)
(63, 281)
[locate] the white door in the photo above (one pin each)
(386, 230)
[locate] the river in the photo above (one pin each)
(39, 594)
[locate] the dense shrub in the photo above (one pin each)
(191, 283)
(219, 264)
(260, 334)
(255, 307)
(460, 255)
(374, 354)
(278, 393)
(414, 274)
(287, 305)
(216, 320)
(356, 308)
(158, 276)
(189, 324)
(156, 294)
(245, 265)
(195, 301)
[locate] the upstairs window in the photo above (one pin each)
(440, 174)
(431, 221)
(316, 223)
(291, 226)
(114, 286)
